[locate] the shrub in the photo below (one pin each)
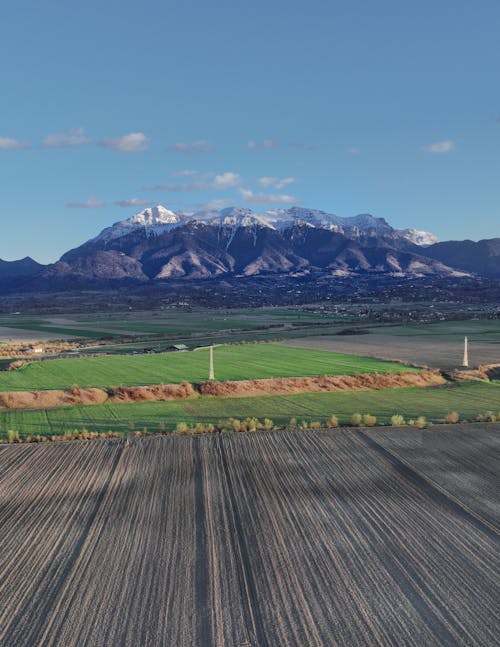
(332, 421)
(13, 436)
(397, 420)
(487, 416)
(235, 424)
(369, 420)
(421, 422)
(452, 418)
(356, 419)
(268, 424)
(315, 425)
(181, 427)
(252, 424)
(304, 424)
(293, 423)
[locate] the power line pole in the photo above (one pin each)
(211, 374)
(466, 353)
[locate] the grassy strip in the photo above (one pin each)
(231, 363)
(468, 399)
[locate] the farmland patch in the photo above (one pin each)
(261, 539)
(469, 399)
(250, 361)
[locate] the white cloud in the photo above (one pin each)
(353, 150)
(131, 143)
(249, 197)
(90, 203)
(184, 173)
(445, 146)
(185, 187)
(199, 146)
(74, 137)
(226, 180)
(214, 204)
(133, 202)
(9, 142)
(266, 144)
(276, 182)
(220, 182)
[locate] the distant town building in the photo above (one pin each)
(177, 348)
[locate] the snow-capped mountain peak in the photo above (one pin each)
(154, 220)
(153, 216)
(351, 225)
(235, 217)
(421, 238)
(157, 220)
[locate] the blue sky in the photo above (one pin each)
(353, 106)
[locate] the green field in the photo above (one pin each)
(468, 399)
(250, 361)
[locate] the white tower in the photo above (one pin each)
(211, 374)
(466, 353)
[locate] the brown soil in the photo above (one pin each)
(51, 399)
(236, 540)
(162, 392)
(151, 393)
(283, 385)
(487, 372)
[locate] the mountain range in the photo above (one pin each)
(158, 244)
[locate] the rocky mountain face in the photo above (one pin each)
(158, 244)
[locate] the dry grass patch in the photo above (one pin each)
(159, 392)
(327, 383)
(51, 399)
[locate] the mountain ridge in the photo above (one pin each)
(158, 244)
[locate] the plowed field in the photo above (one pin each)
(325, 538)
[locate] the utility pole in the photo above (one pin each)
(211, 374)
(466, 353)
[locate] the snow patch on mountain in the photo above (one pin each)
(153, 220)
(157, 220)
(422, 238)
(352, 226)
